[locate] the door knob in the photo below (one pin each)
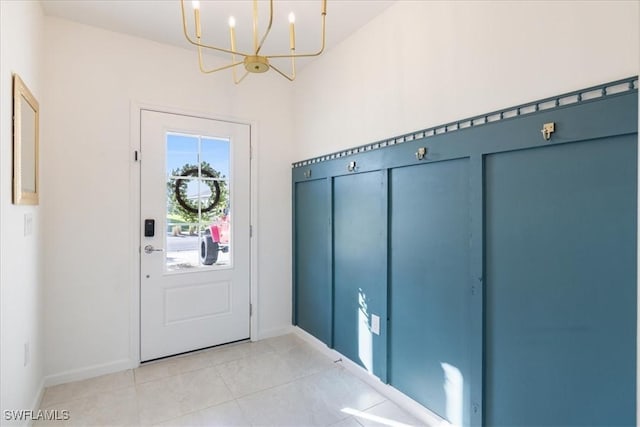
(149, 248)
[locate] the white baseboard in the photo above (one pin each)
(397, 397)
(89, 372)
(270, 333)
(35, 405)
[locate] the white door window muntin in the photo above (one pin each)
(198, 137)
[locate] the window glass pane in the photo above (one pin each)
(182, 247)
(198, 203)
(182, 151)
(215, 152)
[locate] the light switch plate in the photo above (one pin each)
(28, 224)
(375, 324)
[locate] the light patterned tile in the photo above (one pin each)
(201, 389)
(113, 408)
(284, 343)
(254, 373)
(280, 381)
(302, 360)
(159, 400)
(342, 390)
(347, 422)
(156, 370)
(193, 361)
(75, 410)
(233, 352)
(385, 414)
(85, 388)
(57, 394)
(172, 397)
(226, 414)
(288, 405)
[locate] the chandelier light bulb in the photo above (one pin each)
(255, 60)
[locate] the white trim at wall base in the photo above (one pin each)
(35, 405)
(89, 372)
(400, 399)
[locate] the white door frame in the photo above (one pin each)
(135, 226)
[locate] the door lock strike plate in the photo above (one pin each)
(547, 130)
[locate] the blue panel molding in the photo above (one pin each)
(589, 125)
(582, 96)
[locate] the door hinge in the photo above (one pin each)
(250, 310)
(136, 156)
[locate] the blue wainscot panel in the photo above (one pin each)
(501, 264)
(312, 267)
(561, 285)
(360, 269)
(429, 286)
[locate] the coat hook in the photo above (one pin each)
(351, 166)
(421, 153)
(547, 130)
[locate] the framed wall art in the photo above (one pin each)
(26, 118)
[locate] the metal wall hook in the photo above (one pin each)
(547, 130)
(351, 166)
(421, 153)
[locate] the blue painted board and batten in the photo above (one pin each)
(312, 240)
(428, 281)
(510, 270)
(360, 268)
(560, 298)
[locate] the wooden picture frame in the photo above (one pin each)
(26, 129)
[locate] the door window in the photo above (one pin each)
(198, 215)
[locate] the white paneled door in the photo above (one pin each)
(195, 239)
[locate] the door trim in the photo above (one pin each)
(135, 228)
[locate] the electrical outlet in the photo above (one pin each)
(27, 355)
(375, 324)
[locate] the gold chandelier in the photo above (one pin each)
(255, 61)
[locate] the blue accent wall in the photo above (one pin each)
(502, 265)
(429, 282)
(561, 295)
(312, 267)
(360, 268)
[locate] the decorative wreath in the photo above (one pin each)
(181, 190)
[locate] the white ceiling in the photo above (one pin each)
(161, 20)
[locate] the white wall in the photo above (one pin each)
(21, 287)
(92, 76)
(425, 63)
(416, 65)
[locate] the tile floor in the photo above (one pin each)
(280, 381)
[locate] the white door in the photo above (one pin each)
(194, 243)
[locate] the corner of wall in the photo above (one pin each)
(21, 274)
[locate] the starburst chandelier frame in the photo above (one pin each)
(254, 62)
